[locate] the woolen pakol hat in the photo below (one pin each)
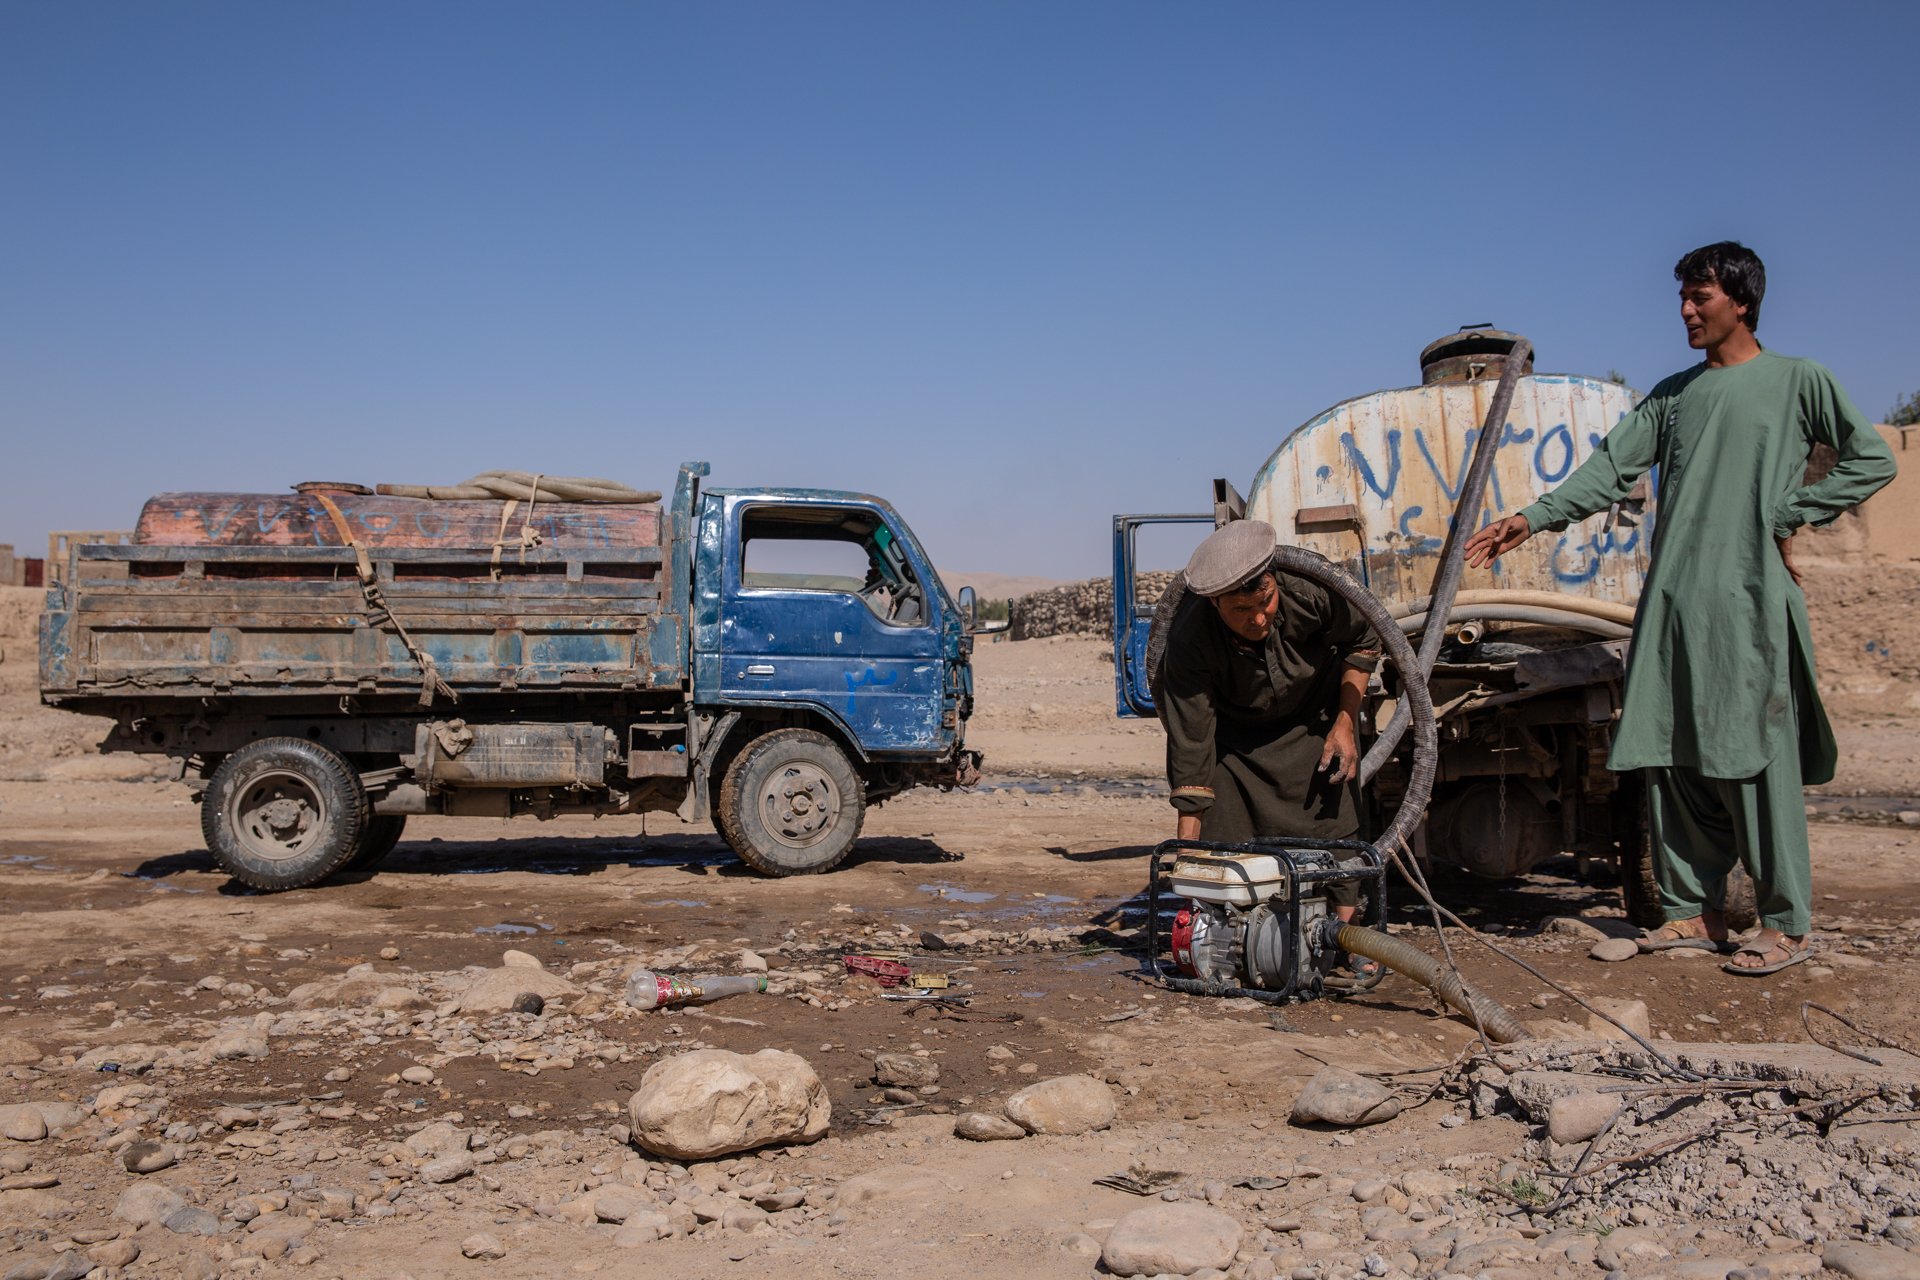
(1230, 556)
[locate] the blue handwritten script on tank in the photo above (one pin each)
(1555, 471)
(1591, 550)
(1365, 468)
(1418, 543)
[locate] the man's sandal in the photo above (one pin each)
(1767, 948)
(1679, 935)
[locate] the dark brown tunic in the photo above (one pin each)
(1246, 723)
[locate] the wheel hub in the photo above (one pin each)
(278, 816)
(801, 805)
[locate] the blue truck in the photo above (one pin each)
(326, 663)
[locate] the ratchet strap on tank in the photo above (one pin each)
(430, 682)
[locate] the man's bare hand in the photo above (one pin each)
(1786, 558)
(1342, 752)
(1496, 540)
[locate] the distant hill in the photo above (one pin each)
(997, 586)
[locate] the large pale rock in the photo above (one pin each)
(978, 1126)
(1858, 1260)
(1171, 1239)
(22, 1122)
(1577, 1117)
(1063, 1105)
(904, 1069)
(519, 960)
(146, 1202)
(711, 1101)
(1337, 1096)
(360, 985)
(495, 990)
(236, 1042)
(1614, 950)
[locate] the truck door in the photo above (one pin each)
(1142, 567)
(823, 605)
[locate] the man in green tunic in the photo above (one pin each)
(1722, 709)
(1260, 693)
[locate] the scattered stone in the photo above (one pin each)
(483, 1244)
(519, 960)
(1063, 1105)
(753, 962)
(417, 1075)
(59, 1266)
(1910, 817)
(1631, 1014)
(146, 1202)
(642, 1228)
(1858, 1260)
(448, 1168)
(1176, 1239)
(1337, 1096)
(1614, 950)
(1577, 1117)
(191, 1220)
(146, 1157)
(237, 1042)
(123, 1252)
(904, 1069)
(712, 1101)
(495, 990)
(1573, 927)
(618, 1204)
(15, 1052)
(22, 1122)
(528, 1002)
(978, 1126)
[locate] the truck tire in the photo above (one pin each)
(791, 804)
(284, 813)
(377, 841)
(1640, 888)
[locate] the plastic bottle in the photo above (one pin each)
(649, 990)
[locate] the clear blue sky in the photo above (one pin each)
(1015, 266)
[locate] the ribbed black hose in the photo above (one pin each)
(1446, 580)
(1414, 699)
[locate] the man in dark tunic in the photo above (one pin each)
(1260, 692)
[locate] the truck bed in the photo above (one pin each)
(184, 621)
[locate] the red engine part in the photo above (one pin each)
(888, 973)
(1181, 937)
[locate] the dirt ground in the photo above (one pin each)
(122, 933)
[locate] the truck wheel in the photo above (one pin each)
(284, 813)
(791, 804)
(377, 841)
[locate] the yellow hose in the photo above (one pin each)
(1606, 609)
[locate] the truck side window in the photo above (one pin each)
(830, 549)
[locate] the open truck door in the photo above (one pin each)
(1133, 602)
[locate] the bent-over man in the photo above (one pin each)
(1260, 691)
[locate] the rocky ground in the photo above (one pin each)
(203, 1081)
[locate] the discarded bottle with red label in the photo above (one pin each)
(649, 990)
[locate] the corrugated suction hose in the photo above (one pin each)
(1404, 958)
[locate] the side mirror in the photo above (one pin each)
(969, 603)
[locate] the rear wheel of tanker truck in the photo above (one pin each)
(791, 803)
(382, 834)
(1639, 882)
(284, 813)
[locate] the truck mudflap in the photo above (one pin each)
(966, 770)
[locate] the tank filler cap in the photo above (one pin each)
(1476, 351)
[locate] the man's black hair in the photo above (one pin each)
(1735, 268)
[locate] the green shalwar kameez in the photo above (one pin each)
(1722, 708)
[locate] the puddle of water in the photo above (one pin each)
(947, 893)
(17, 859)
(1049, 784)
(677, 902)
(513, 926)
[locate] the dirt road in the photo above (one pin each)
(126, 946)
